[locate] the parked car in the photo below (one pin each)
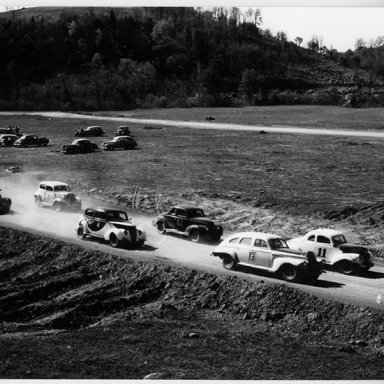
(189, 221)
(5, 205)
(57, 195)
(11, 130)
(7, 140)
(112, 225)
(93, 130)
(122, 130)
(79, 146)
(268, 252)
(119, 142)
(332, 247)
(31, 141)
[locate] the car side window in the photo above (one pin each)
(323, 239)
(181, 213)
(311, 238)
(172, 211)
(49, 188)
(42, 186)
(100, 215)
(260, 243)
(235, 240)
(89, 212)
(246, 241)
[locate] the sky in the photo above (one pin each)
(337, 23)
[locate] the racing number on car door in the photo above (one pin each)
(321, 252)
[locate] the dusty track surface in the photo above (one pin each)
(358, 290)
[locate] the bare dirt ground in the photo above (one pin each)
(70, 311)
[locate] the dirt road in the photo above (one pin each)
(210, 125)
(348, 289)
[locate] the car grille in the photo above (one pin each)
(132, 232)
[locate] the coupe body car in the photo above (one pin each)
(93, 130)
(111, 225)
(7, 140)
(268, 252)
(31, 141)
(122, 131)
(79, 146)
(119, 142)
(57, 195)
(332, 247)
(188, 221)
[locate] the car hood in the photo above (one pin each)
(352, 248)
(201, 220)
(290, 251)
(122, 224)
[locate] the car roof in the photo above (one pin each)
(77, 140)
(186, 207)
(50, 182)
(94, 126)
(123, 137)
(8, 134)
(324, 231)
(105, 209)
(122, 127)
(259, 235)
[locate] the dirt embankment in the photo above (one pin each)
(47, 284)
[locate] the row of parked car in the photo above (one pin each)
(122, 140)
(298, 259)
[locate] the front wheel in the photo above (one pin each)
(113, 240)
(195, 236)
(290, 273)
(346, 268)
(160, 227)
(80, 232)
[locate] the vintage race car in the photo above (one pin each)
(270, 253)
(8, 140)
(332, 247)
(119, 142)
(31, 141)
(188, 221)
(122, 130)
(57, 195)
(79, 146)
(93, 130)
(112, 225)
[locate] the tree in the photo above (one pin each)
(298, 40)
(249, 84)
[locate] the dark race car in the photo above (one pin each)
(122, 131)
(119, 142)
(93, 130)
(188, 221)
(31, 141)
(79, 146)
(7, 140)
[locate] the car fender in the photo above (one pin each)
(223, 251)
(192, 227)
(340, 256)
(58, 200)
(118, 232)
(157, 219)
(280, 261)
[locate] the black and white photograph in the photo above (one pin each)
(191, 191)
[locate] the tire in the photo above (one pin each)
(290, 273)
(57, 207)
(195, 236)
(114, 241)
(161, 228)
(346, 268)
(80, 232)
(229, 263)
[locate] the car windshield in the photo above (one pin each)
(277, 243)
(117, 216)
(195, 213)
(61, 188)
(339, 239)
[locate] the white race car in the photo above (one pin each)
(112, 225)
(268, 252)
(332, 247)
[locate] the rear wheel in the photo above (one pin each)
(113, 240)
(195, 236)
(80, 232)
(160, 227)
(229, 263)
(290, 273)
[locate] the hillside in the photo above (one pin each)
(124, 58)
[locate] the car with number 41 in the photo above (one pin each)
(332, 247)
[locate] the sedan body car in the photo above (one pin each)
(57, 195)
(268, 252)
(111, 225)
(122, 131)
(8, 140)
(119, 142)
(189, 221)
(332, 247)
(79, 146)
(31, 141)
(93, 130)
